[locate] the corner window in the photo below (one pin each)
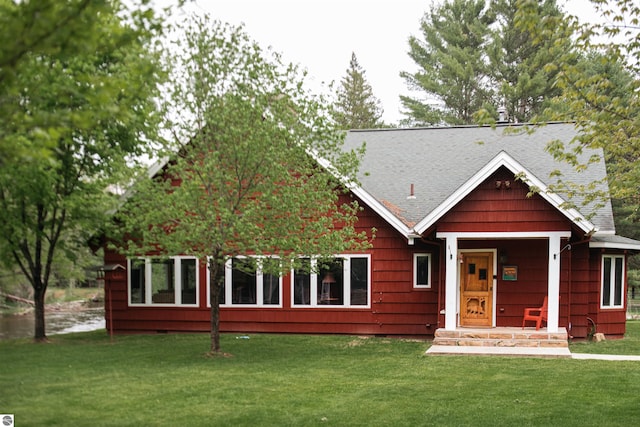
(343, 281)
(246, 285)
(612, 281)
(172, 281)
(421, 270)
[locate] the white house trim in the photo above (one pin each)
(609, 245)
(369, 200)
(451, 274)
(612, 245)
(503, 159)
(381, 210)
(451, 280)
(553, 284)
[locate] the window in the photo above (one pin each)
(302, 284)
(246, 284)
(172, 281)
(137, 282)
(612, 281)
(421, 270)
(343, 281)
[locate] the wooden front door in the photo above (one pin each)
(476, 289)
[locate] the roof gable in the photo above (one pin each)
(503, 159)
(411, 177)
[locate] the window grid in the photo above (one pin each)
(612, 283)
(344, 283)
(422, 270)
(156, 282)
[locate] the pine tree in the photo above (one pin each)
(452, 70)
(356, 106)
(518, 59)
(474, 57)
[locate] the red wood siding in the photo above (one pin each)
(609, 321)
(396, 307)
(490, 209)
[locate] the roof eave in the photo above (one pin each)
(381, 210)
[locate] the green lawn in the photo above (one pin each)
(299, 380)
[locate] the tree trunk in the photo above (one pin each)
(38, 299)
(216, 270)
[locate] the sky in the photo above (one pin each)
(320, 35)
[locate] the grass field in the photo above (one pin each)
(85, 379)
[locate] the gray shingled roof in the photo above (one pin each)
(438, 161)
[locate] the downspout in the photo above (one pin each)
(440, 281)
(569, 295)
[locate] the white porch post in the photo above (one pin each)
(451, 283)
(554, 283)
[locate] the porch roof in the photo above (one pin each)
(611, 241)
(438, 162)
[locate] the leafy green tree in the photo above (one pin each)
(518, 58)
(244, 176)
(599, 91)
(78, 99)
(356, 106)
(453, 72)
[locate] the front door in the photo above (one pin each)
(476, 289)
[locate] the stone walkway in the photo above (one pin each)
(549, 352)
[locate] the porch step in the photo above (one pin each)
(502, 337)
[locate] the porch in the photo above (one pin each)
(511, 341)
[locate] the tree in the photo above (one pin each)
(523, 83)
(356, 106)
(452, 69)
(78, 98)
(244, 177)
(476, 59)
(599, 91)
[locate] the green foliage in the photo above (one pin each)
(245, 176)
(356, 107)
(518, 59)
(599, 92)
(452, 70)
(476, 59)
(78, 95)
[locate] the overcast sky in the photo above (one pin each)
(320, 35)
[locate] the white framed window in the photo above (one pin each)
(612, 283)
(171, 281)
(246, 285)
(344, 281)
(422, 271)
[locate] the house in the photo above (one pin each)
(461, 241)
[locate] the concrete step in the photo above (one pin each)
(501, 337)
(546, 352)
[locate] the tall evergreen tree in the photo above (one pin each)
(356, 106)
(518, 59)
(452, 68)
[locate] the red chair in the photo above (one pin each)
(538, 314)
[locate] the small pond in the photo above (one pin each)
(56, 322)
